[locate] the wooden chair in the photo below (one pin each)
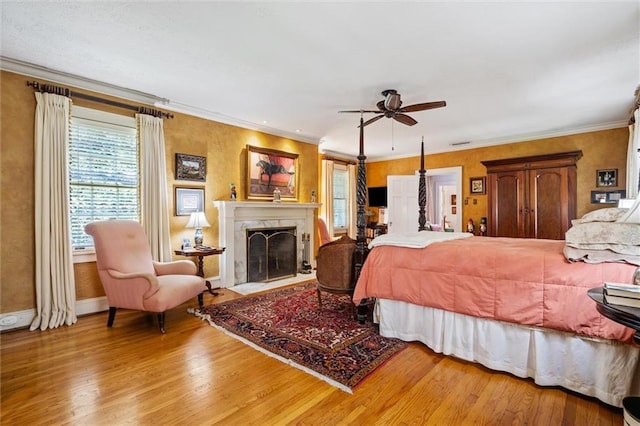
(335, 273)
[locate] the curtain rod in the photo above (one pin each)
(50, 88)
(338, 160)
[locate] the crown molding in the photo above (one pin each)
(59, 77)
(37, 71)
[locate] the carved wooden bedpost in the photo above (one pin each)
(361, 237)
(422, 191)
(361, 199)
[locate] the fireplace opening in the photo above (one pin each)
(271, 254)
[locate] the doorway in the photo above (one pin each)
(445, 187)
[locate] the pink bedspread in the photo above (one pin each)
(524, 281)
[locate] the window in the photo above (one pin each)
(103, 171)
(340, 198)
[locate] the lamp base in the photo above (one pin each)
(197, 238)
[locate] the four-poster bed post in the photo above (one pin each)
(422, 192)
(361, 197)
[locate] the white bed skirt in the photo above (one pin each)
(604, 369)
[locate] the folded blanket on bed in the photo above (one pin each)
(598, 256)
(416, 239)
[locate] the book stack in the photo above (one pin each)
(622, 294)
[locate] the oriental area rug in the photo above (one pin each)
(287, 325)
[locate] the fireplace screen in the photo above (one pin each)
(271, 254)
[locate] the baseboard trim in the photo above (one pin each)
(24, 318)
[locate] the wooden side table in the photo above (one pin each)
(201, 254)
(625, 315)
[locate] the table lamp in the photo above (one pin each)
(198, 221)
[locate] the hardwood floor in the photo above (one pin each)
(89, 374)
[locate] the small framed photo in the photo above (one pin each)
(607, 197)
(191, 167)
(608, 177)
(477, 185)
(188, 200)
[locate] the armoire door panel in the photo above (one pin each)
(508, 205)
(549, 203)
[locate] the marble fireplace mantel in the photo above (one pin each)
(236, 216)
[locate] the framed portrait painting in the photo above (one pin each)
(268, 169)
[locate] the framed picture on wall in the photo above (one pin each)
(608, 177)
(268, 169)
(191, 167)
(477, 185)
(188, 200)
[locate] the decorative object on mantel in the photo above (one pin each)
(191, 167)
(283, 324)
(313, 195)
(268, 170)
(198, 221)
(234, 194)
(277, 195)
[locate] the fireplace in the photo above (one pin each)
(235, 217)
(271, 254)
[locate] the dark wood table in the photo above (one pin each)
(201, 254)
(625, 315)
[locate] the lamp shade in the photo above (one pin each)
(198, 220)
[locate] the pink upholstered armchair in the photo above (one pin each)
(132, 279)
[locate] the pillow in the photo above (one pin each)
(604, 215)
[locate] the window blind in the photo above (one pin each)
(103, 173)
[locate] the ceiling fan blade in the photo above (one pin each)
(404, 119)
(365, 111)
(371, 120)
(422, 107)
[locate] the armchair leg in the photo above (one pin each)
(319, 299)
(201, 300)
(161, 322)
(112, 316)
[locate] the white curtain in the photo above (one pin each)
(633, 157)
(55, 283)
(326, 192)
(353, 206)
(154, 202)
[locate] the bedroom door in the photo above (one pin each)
(402, 200)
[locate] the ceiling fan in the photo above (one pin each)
(390, 107)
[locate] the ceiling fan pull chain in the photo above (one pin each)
(392, 138)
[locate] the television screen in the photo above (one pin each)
(377, 196)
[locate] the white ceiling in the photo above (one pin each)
(508, 71)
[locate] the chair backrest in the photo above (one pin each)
(335, 264)
(323, 232)
(121, 245)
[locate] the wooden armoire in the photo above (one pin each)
(532, 197)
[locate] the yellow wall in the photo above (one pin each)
(606, 149)
(223, 146)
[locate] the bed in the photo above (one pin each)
(510, 304)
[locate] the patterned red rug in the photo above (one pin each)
(287, 325)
